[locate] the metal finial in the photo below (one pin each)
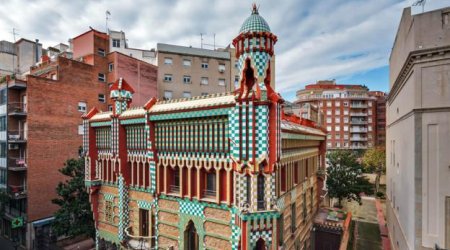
(254, 9)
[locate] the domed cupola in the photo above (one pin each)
(254, 49)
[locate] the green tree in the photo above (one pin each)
(374, 160)
(74, 216)
(344, 176)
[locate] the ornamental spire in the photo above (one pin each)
(255, 9)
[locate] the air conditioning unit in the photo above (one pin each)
(13, 146)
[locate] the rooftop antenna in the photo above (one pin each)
(420, 3)
(108, 16)
(214, 41)
(201, 40)
(14, 33)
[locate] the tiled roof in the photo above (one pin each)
(138, 111)
(194, 102)
(175, 49)
(101, 116)
(254, 23)
(294, 127)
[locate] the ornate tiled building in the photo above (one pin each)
(224, 171)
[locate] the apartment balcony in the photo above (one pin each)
(16, 136)
(18, 84)
(358, 122)
(358, 105)
(17, 192)
(17, 164)
(17, 109)
(12, 213)
(358, 114)
(134, 241)
(358, 130)
(356, 138)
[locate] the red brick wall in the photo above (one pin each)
(140, 75)
(53, 120)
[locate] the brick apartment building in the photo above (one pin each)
(40, 126)
(350, 113)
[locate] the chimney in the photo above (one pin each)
(37, 50)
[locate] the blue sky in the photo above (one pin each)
(346, 40)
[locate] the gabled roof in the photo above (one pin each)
(121, 84)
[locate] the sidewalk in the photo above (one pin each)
(383, 226)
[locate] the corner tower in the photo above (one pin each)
(254, 49)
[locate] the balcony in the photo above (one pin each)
(138, 242)
(359, 122)
(17, 109)
(358, 114)
(17, 164)
(17, 83)
(357, 138)
(358, 146)
(12, 213)
(17, 192)
(358, 130)
(358, 105)
(16, 136)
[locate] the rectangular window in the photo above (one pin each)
(337, 112)
(168, 77)
(328, 104)
(337, 103)
(186, 79)
(110, 108)
(143, 222)
(168, 95)
(3, 98)
(329, 112)
(337, 136)
(293, 218)
(101, 52)
(80, 129)
(3, 123)
(221, 82)
(328, 119)
(345, 104)
(345, 136)
(280, 229)
(345, 119)
(168, 61)
(236, 81)
(101, 98)
(187, 63)
(329, 128)
(82, 106)
(210, 185)
(116, 43)
(205, 65)
(187, 94)
(345, 128)
(204, 93)
(101, 77)
(109, 212)
(337, 120)
(345, 111)
(221, 68)
(204, 81)
(337, 128)
(110, 67)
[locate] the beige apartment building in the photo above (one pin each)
(184, 72)
(418, 133)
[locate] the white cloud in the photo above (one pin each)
(317, 39)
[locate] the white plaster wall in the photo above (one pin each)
(435, 176)
(400, 177)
